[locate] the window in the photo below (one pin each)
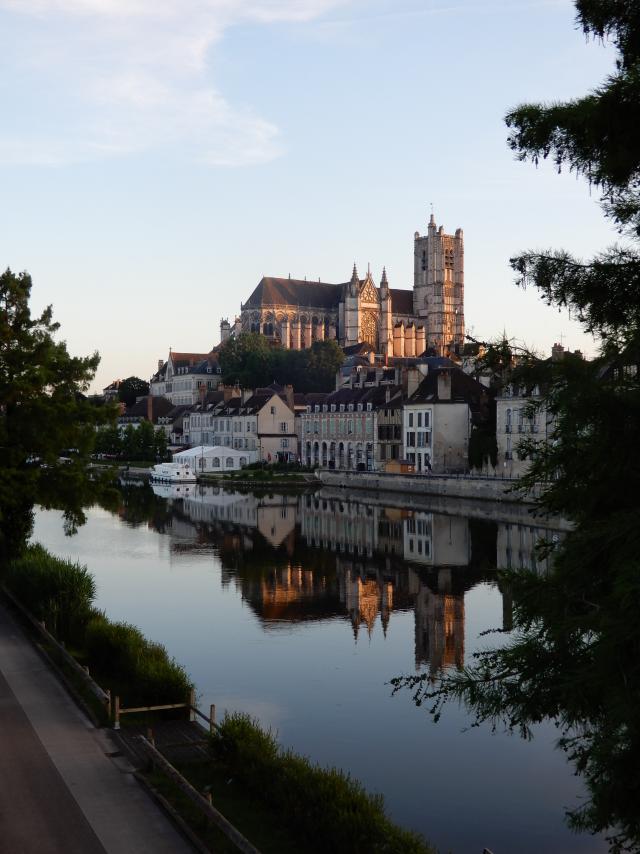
(419, 419)
(229, 462)
(411, 419)
(215, 463)
(411, 439)
(349, 426)
(284, 427)
(284, 443)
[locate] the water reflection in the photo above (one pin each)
(299, 609)
(296, 558)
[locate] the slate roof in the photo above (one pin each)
(463, 388)
(275, 291)
(401, 301)
(272, 290)
(160, 406)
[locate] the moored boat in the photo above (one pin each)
(173, 473)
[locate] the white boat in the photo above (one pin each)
(173, 473)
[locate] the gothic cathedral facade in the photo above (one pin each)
(294, 313)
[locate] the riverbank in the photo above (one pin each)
(62, 593)
(469, 487)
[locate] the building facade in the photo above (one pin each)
(395, 322)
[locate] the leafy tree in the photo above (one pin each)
(132, 388)
(42, 412)
(324, 360)
(250, 361)
(574, 656)
(246, 360)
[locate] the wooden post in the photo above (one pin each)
(116, 713)
(192, 703)
(108, 693)
(86, 670)
(208, 797)
(150, 737)
(212, 718)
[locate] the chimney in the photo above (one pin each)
(557, 353)
(150, 408)
(444, 385)
(245, 394)
(414, 378)
(289, 395)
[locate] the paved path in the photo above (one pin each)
(62, 789)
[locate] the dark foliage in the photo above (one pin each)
(574, 656)
(250, 361)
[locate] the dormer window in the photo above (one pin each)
(317, 408)
(342, 407)
(325, 408)
(369, 407)
(351, 407)
(308, 409)
(333, 407)
(359, 407)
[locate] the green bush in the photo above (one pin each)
(142, 670)
(54, 590)
(328, 809)
(62, 593)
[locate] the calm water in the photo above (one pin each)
(299, 609)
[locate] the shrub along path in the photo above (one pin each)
(61, 789)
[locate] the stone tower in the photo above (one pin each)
(438, 286)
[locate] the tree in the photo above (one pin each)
(574, 656)
(42, 412)
(246, 360)
(131, 389)
(324, 360)
(250, 361)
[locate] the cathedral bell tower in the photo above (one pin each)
(438, 286)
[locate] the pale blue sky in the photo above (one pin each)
(157, 157)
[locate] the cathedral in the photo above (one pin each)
(395, 322)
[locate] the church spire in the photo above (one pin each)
(355, 281)
(384, 284)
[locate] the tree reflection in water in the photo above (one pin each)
(573, 658)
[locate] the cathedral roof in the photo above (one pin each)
(401, 301)
(274, 291)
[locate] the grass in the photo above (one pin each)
(61, 594)
(323, 807)
(256, 821)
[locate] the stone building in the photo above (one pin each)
(395, 322)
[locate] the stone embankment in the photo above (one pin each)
(477, 488)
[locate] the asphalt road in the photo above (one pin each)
(64, 788)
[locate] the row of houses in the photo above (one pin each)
(418, 414)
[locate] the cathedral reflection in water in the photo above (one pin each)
(321, 556)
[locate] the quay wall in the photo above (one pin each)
(446, 486)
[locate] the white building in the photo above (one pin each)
(261, 423)
(519, 417)
(214, 459)
(437, 421)
(185, 377)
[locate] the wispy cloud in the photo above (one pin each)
(99, 78)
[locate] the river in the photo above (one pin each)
(299, 609)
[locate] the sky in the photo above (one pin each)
(158, 157)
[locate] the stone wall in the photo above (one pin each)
(476, 488)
